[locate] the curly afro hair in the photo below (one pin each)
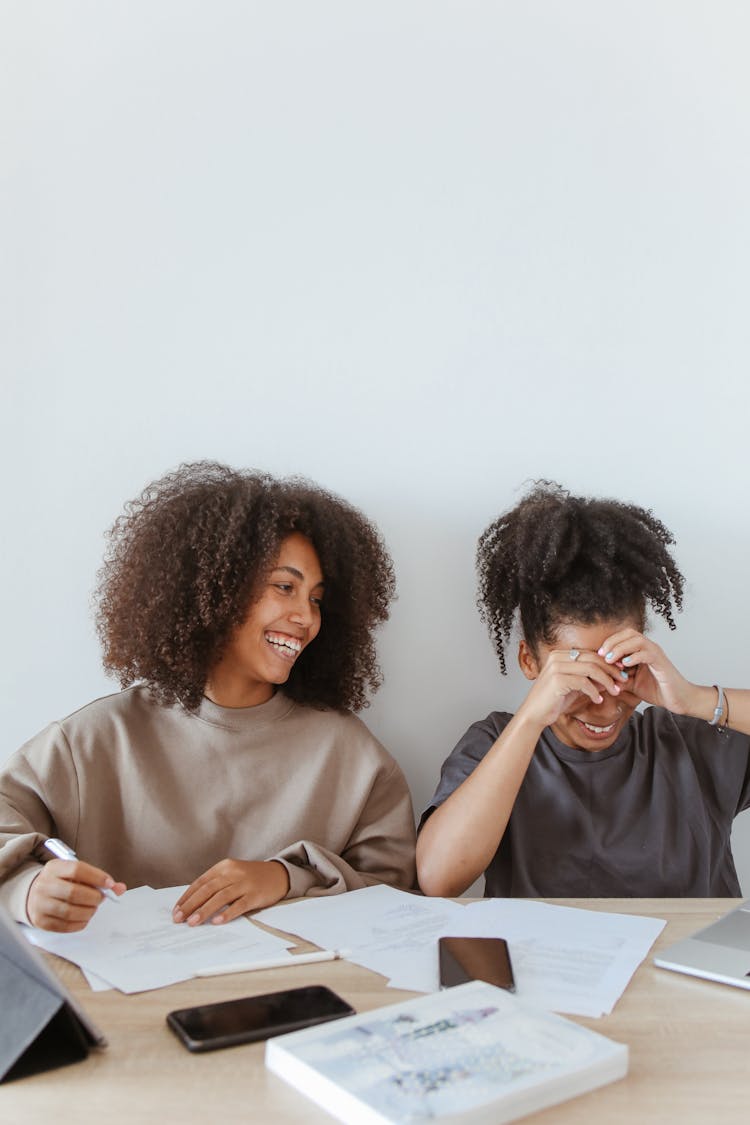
(559, 558)
(187, 558)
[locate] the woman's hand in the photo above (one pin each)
(561, 682)
(652, 677)
(232, 887)
(66, 893)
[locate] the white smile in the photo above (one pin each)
(287, 647)
(598, 730)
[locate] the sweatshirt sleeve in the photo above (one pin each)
(38, 779)
(380, 848)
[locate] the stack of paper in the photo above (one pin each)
(134, 945)
(564, 959)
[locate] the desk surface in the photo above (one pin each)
(688, 1044)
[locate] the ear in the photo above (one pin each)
(527, 662)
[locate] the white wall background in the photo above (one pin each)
(418, 251)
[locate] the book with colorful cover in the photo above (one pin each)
(470, 1053)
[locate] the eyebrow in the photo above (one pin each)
(297, 574)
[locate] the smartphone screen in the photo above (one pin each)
(211, 1026)
(475, 958)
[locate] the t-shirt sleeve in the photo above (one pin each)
(466, 756)
(723, 760)
(739, 747)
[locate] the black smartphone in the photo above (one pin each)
(209, 1026)
(475, 958)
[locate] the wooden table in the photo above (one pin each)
(689, 1048)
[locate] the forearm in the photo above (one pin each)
(460, 838)
(23, 830)
(38, 796)
(14, 890)
(703, 700)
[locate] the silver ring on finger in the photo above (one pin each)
(574, 653)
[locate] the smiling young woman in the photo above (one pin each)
(578, 794)
(238, 612)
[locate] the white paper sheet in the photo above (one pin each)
(134, 945)
(388, 931)
(95, 983)
(564, 959)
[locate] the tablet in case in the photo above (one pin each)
(42, 1026)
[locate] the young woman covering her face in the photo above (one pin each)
(238, 612)
(577, 794)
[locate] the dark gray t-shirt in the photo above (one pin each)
(649, 817)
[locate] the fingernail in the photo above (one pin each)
(177, 915)
(193, 919)
(600, 699)
(624, 675)
(627, 659)
(218, 919)
(616, 689)
(600, 652)
(610, 656)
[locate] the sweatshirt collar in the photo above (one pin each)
(245, 718)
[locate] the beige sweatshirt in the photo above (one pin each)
(155, 795)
